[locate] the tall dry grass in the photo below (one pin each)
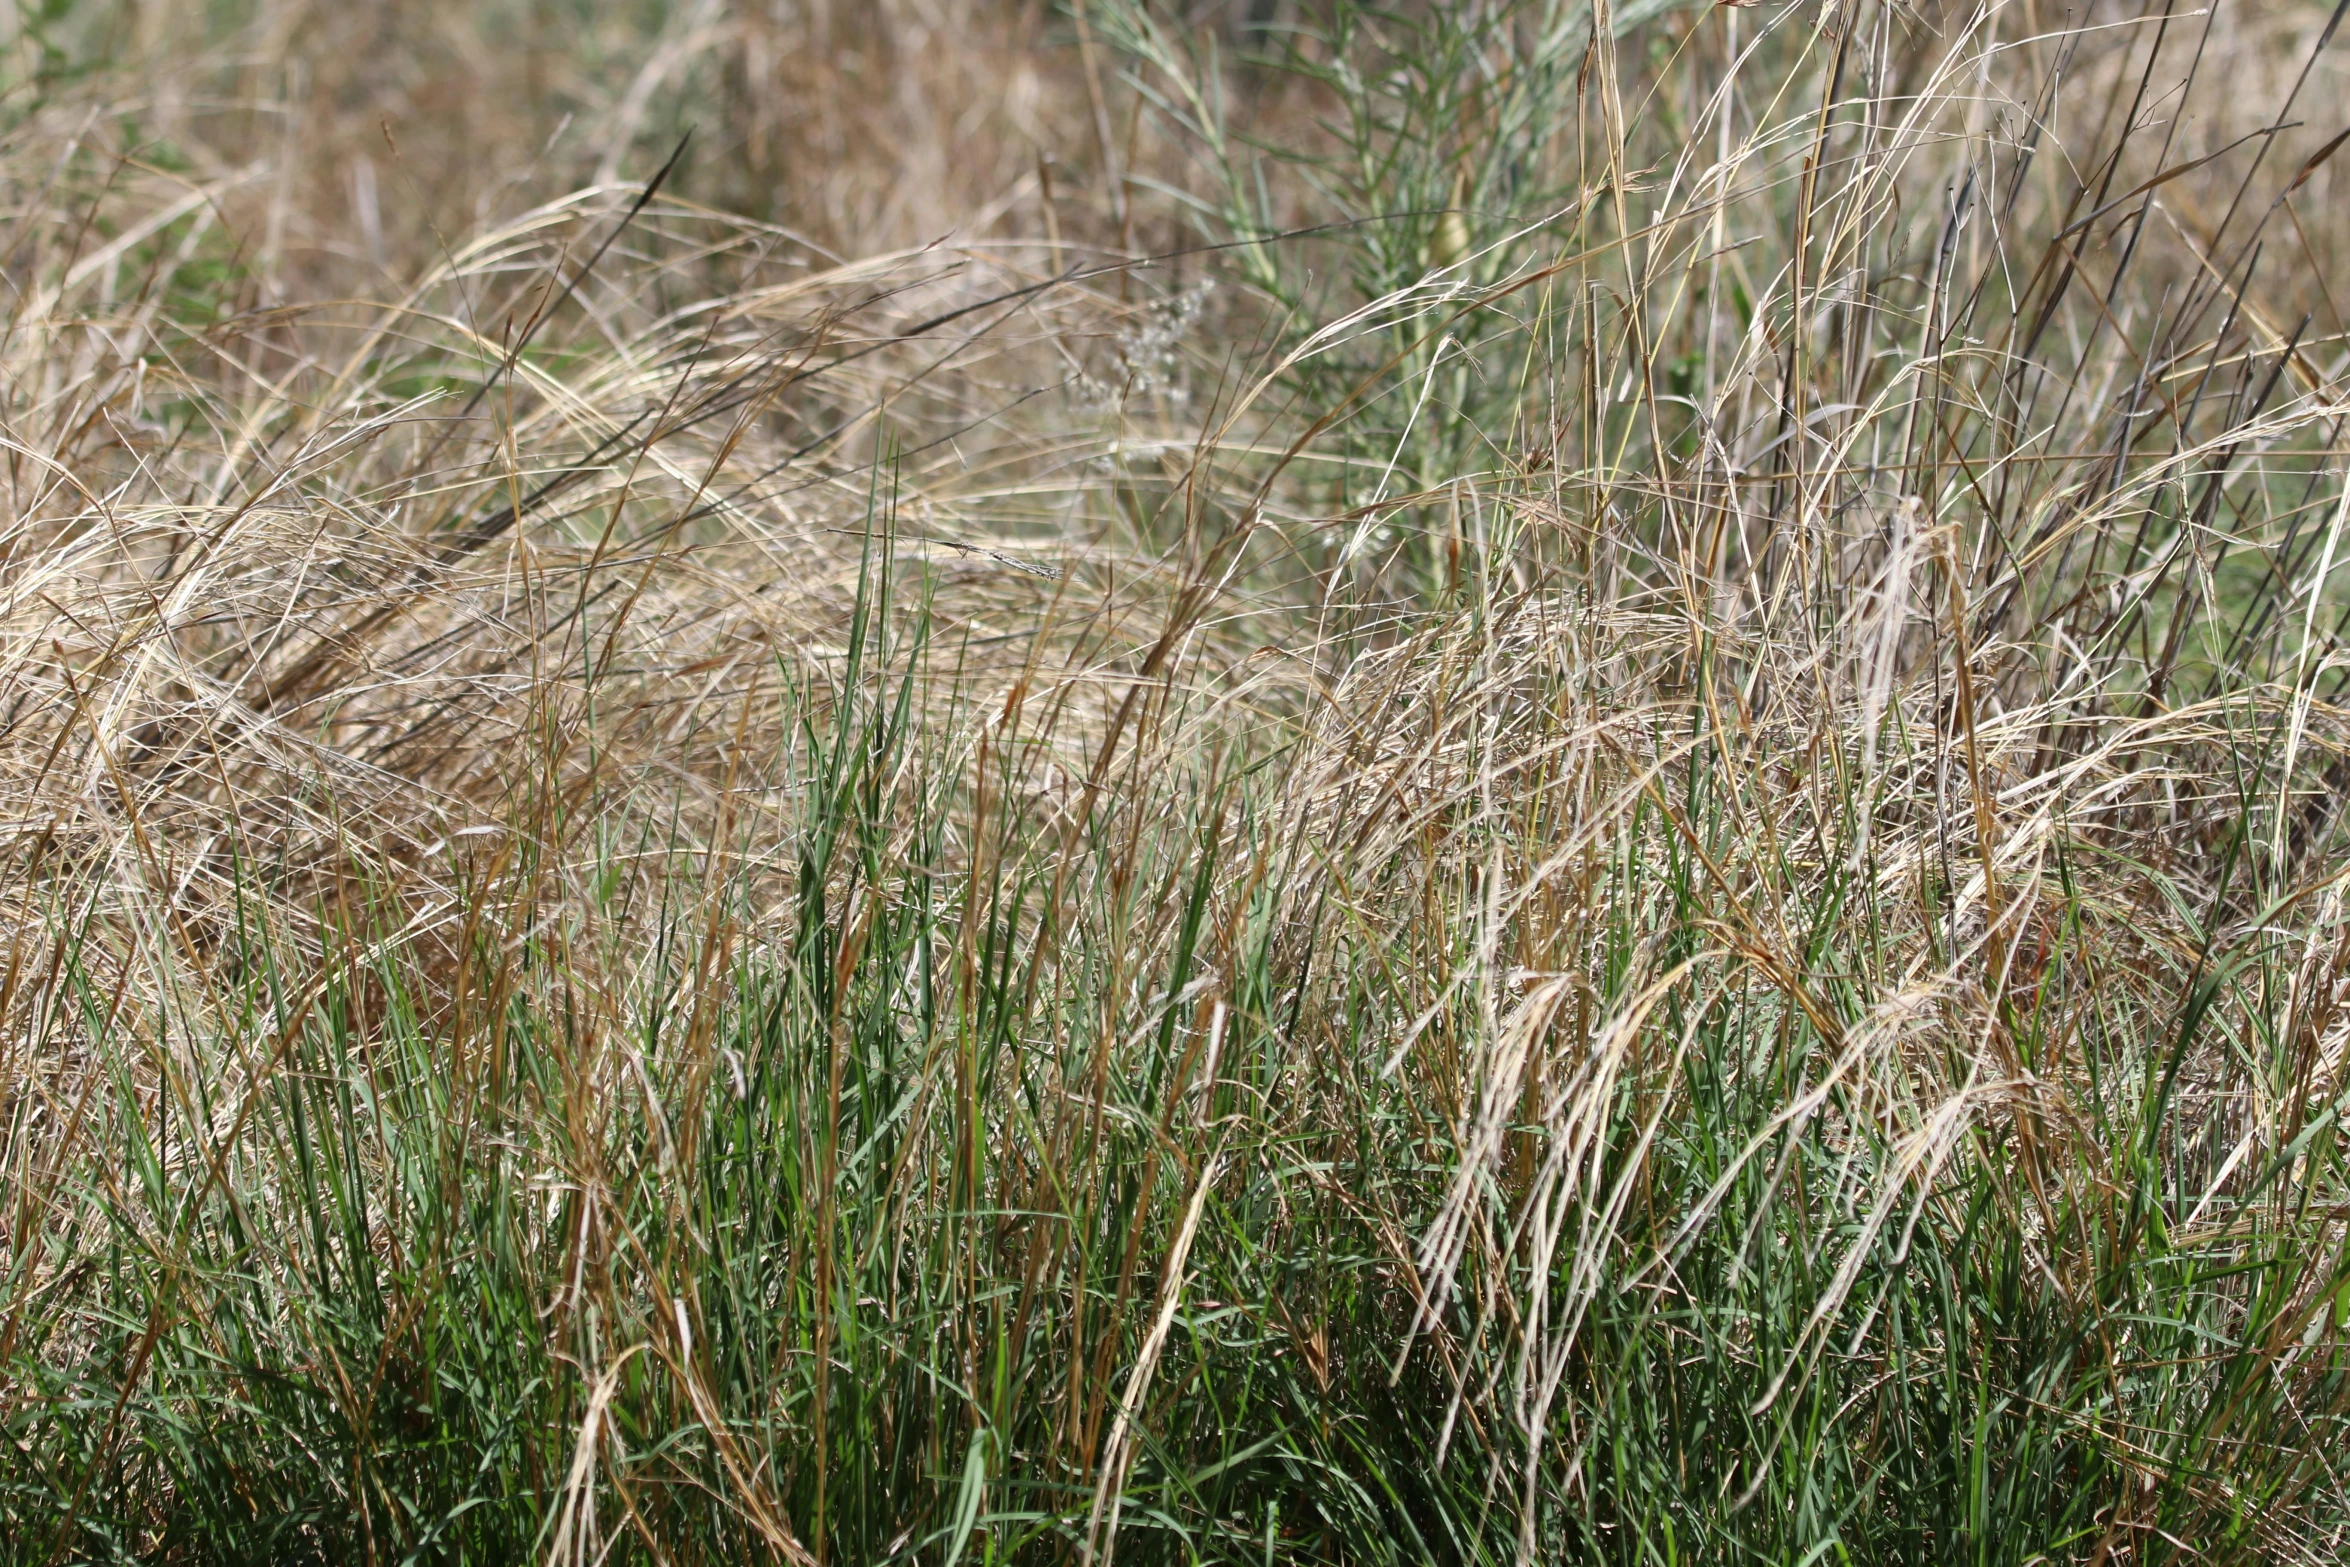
(1298, 781)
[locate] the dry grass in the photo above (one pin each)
(1283, 781)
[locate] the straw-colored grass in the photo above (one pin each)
(1284, 781)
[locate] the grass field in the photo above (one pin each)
(1244, 781)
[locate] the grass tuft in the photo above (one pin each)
(1304, 781)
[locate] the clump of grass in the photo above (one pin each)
(1634, 856)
